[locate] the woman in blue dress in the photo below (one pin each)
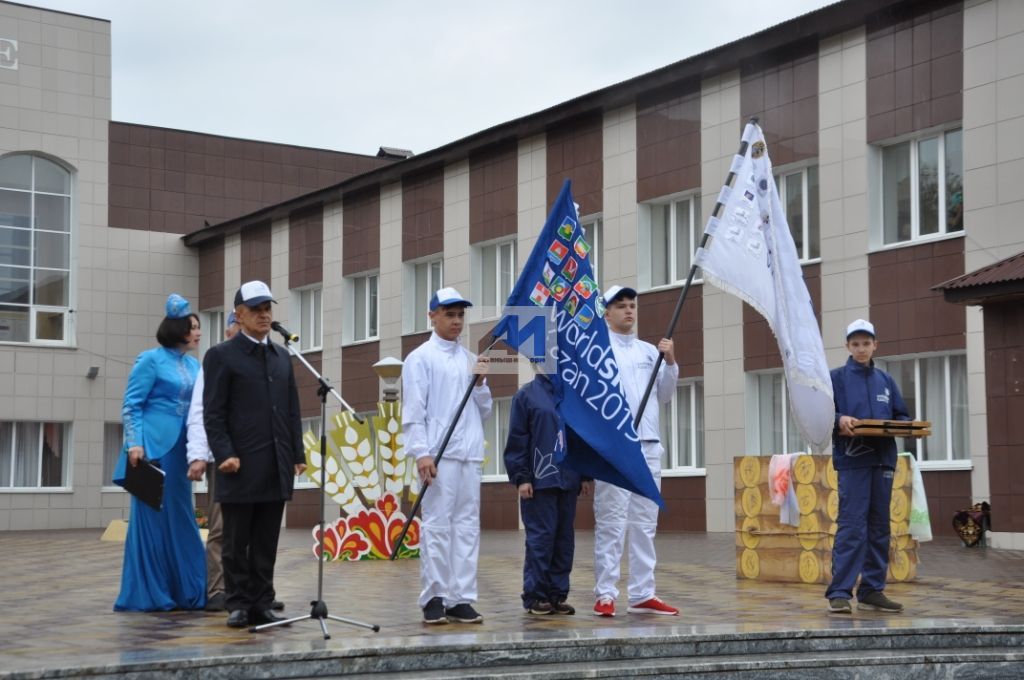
(164, 559)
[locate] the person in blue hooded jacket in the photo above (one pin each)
(547, 496)
(164, 560)
(865, 466)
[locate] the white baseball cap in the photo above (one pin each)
(860, 326)
(253, 294)
(448, 296)
(615, 291)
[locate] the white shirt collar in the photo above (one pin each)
(449, 346)
(258, 342)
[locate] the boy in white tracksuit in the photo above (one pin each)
(620, 515)
(434, 379)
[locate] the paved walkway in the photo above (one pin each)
(58, 588)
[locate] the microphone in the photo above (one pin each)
(288, 335)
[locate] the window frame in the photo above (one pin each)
(371, 310)
(593, 232)
(782, 173)
(674, 468)
(946, 422)
(212, 321)
(645, 247)
(308, 297)
(492, 425)
(484, 309)
(753, 411)
(34, 309)
(412, 311)
(877, 204)
(67, 467)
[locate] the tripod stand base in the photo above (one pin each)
(318, 612)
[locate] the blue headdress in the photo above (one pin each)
(177, 307)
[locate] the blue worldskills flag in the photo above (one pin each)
(602, 442)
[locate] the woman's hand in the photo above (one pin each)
(135, 454)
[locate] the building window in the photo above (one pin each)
(113, 441)
(495, 436)
(422, 279)
(33, 455)
(35, 250)
(212, 322)
(934, 389)
(593, 231)
(669, 234)
(922, 188)
(311, 333)
(798, 193)
(682, 428)
(494, 276)
(774, 428)
(309, 426)
(361, 317)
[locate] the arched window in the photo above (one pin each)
(35, 250)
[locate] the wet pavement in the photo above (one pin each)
(59, 587)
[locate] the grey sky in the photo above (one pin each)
(353, 75)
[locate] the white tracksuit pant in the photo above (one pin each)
(621, 516)
(450, 543)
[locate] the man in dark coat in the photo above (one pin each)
(254, 429)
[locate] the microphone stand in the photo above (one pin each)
(318, 608)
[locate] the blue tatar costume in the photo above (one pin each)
(865, 466)
(164, 558)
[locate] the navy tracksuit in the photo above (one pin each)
(865, 466)
(536, 438)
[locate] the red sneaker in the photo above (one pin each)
(604, 607)
(653, 606)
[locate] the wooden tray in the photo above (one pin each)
(893, 428)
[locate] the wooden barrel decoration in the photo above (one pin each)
(804, 469)
(810, 567)
(830, 541)
(750, 564)
(899, 535)
(750, 471)
(753, 503)
(831, 476)
(899, 506)
(899, 565)
(902, 474)
(810, 498)
(832, 505)
(749, 533)
(809, 532)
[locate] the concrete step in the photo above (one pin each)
(924, 651)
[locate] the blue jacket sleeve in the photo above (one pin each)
(899, 407)
(517, 448)
(140, 384)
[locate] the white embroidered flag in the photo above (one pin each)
(751, 254)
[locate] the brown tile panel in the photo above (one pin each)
(360, 386)
(411, 342)
(211, 275)
(574, 151)
(493, 192)
(948, 491)
(256, 250)
(361, 231)
(423, 214)
(760, 348)
(783, 94)
(307, 385)
(909, 316)
(668, 141)
(306, 247)
(1004, 385)
(655, 310)
(914, 71)
(175, 181)
(686, 509)
(499, 507)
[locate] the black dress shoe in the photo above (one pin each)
(238, 619)
(264, 616)
(277, 606)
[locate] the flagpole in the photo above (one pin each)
(440, 452)
(686, 288)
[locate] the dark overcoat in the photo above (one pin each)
(251, 410)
